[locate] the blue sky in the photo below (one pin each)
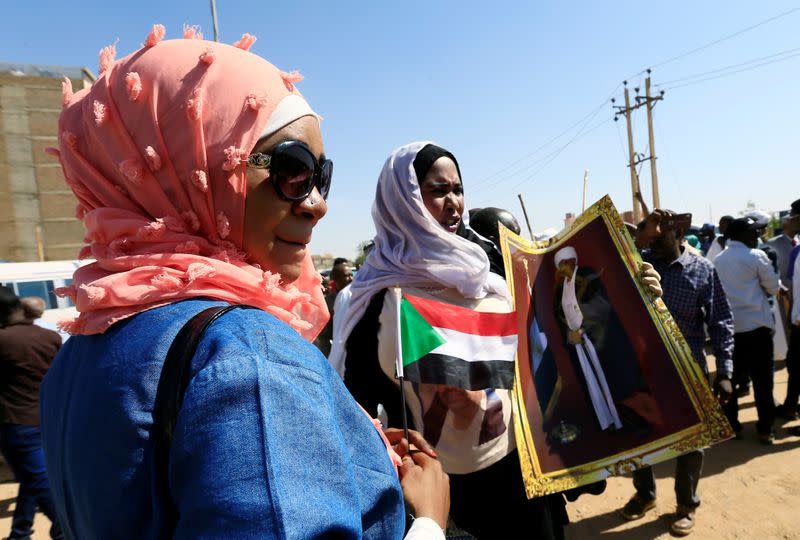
(493, 82)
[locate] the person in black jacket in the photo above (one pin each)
(26, 353)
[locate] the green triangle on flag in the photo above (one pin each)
(417, 336)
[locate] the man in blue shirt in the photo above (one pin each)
(788, 410)
(696, 300)
(749, 280)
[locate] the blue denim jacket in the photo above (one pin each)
(268, 444)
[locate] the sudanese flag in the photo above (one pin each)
(441, 343)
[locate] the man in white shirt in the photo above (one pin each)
(341, 276)
(338, 346)
(749, 279)
(340, 307)
(718, 244)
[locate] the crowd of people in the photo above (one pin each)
(200, 174)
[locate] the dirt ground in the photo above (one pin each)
(748, 491)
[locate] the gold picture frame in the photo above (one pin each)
(545, 470)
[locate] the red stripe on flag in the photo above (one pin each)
(461, 319)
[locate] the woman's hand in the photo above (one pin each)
(401, 446)
(650, 279)
(426, 487)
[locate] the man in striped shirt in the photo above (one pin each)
(695, 298)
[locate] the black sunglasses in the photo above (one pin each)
(294, 170)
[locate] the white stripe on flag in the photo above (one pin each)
(398, 353)
(475, 348)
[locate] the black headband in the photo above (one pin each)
(427, 157)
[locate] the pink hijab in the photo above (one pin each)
(155, 152)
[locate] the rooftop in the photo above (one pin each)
(37, 70)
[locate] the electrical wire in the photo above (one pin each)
(729, 73)
(558, 152)
(621, 144)
(725, 38)
(485, 183)
(665, 146)
(732, 66)
(641, 163)
(588, 117)
(698, 78)
(544, 160)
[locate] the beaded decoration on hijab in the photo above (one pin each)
(155, 152)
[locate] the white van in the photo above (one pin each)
(41, 279)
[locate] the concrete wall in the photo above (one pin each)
(33, 193)
(322, 262)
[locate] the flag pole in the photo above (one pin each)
(403, 405)
(399, 364)
(585, 179)
(525, 213)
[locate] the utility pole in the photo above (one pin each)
(214, 19)
(637, 210)
(653, 174)
(635, 159)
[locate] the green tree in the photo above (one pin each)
(361, 255)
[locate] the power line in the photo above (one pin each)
(641, 162)
(621, 144)
(725, 38)
(740, 64)
(558, 152)
(729, 73)
(671, 166)
(582, 122)
(546, 159)
(587, 118)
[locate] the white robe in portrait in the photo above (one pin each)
(599, 393)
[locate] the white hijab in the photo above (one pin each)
(412, 249)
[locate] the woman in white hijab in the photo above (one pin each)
(423, 244)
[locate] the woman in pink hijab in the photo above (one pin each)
(200, 174)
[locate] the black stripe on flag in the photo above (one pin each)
(452, 371)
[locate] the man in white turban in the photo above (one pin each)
(566, 260)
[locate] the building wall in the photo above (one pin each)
(33, 193)
(323, 262)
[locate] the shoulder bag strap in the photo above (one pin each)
(175, 377)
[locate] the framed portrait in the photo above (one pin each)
(605, 382)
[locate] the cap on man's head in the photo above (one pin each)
(761, 218)
(795, 207)
(742, 225)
